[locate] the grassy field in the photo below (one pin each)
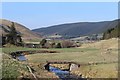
(76, 54)
(84, 55)
(13, 49)
(80, 55)
(98, 71)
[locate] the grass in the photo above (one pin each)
(83, 55)
(73, 49)
(98, 71)
(80, 55)
(13, 49)
(12, 69)
(76, 55)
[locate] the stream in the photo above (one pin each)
(64, 75)
(21, 58)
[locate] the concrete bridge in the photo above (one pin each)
(72, 65)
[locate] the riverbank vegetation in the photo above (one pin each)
(13, 69)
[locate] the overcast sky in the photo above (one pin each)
(43, 14)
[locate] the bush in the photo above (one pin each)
(58, 45)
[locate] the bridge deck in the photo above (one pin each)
(65, 62)
(61, 62)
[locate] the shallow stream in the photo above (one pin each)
(64, 75)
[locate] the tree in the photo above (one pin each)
(58, 45)
(43, 42)
(3, 39)
(112, 33)
(13, 37)
(52, 44)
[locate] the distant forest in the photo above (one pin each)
(112, 33)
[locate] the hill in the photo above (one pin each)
(112, 32)
(103, 44)
(77, 29)
(27, 34)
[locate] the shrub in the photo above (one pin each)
(58, 45)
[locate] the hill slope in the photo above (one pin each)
(77, 29)
(103, 44)
(112, 32)
(26, 33)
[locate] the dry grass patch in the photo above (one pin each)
(103, 44)
(98, 71)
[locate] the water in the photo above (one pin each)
(64, 75)
(21, 58)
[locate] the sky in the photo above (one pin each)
(60, 0)
(43, 14)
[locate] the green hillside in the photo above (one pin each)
(77, 29)
(112, 33)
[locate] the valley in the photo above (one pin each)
(97, 61)
(91, 56)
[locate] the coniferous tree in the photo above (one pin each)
(13, 37)
(43, 42)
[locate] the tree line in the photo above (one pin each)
(112, 33)
(62, 44)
